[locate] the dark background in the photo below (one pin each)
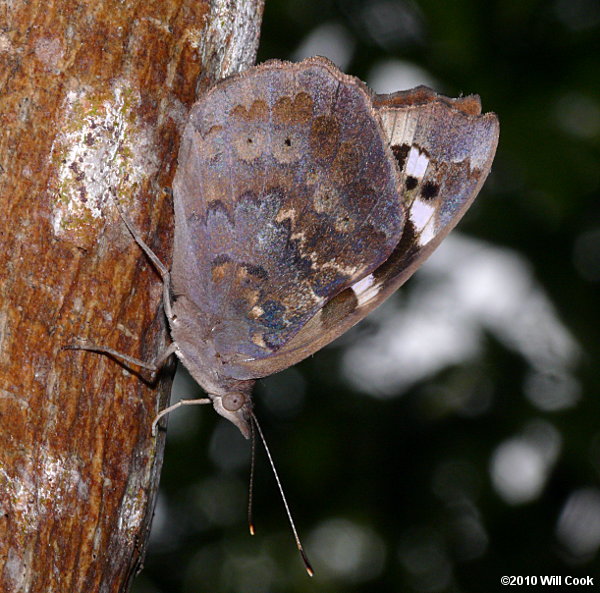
(454, 436)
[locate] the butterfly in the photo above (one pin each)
(302, 201)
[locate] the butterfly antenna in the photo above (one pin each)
(251, 485)
(307, 565)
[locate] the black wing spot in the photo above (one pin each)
(411, 182)
(400, 151)
(257, 271)
(430, 190)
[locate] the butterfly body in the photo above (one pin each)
(302, 201)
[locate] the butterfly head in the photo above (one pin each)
(236, 406)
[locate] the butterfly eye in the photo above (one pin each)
(233, 401)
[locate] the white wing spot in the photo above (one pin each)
(365, 289)
(428, 232)
(417, 162)
(420, 214)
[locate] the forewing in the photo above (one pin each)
(285, 196)
(443, 150)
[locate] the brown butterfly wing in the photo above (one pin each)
(443, 150)
(284, 196)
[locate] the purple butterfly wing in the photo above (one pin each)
(443, 149)
(285, 196)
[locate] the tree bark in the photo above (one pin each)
(93, 97)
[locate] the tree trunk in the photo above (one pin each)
(93, 97)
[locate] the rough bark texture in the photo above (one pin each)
(93, 96)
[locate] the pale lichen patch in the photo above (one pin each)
(101, 150)
(133, 508)
(5, 43)
(18, 497)
(60, 479)
(29, 498)
(49, 52)
(16, 570)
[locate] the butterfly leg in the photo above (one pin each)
(155, 365)
(181, 402)
(160, 267)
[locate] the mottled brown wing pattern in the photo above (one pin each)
(443, 149)
(285, 196)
